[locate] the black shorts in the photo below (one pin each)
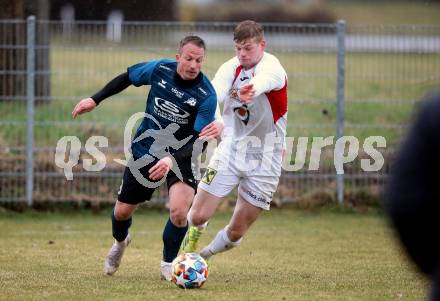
(133, 192)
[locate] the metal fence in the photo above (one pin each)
(344, 80)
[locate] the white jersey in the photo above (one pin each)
(261, 123)
(265, 116)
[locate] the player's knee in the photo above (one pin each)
(197, 219)
(178, 217)
(122, 213)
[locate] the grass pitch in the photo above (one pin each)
(287, 255)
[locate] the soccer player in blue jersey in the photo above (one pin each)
(180, 108)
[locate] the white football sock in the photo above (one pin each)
(219, 244)
(190, 223)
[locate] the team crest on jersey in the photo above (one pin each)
(209, 175)
(191, 101)
(233, 93)
(242, 113)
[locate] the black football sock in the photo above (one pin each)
(172, 238)
(120, 228)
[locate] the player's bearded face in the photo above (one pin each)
(249, 52)
(190, 61)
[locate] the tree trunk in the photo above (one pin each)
(13, 49)
(12, 54)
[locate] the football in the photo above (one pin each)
(189, 270)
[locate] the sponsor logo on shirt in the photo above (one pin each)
(177, 92)
(168, 110)
(209, 175)
(244, 78)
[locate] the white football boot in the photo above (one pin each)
(165, 269)
(113, 259)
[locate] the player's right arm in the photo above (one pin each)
(224, 78)
(222, 83)
(137, 75)
(116, 85)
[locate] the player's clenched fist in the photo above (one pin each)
(247, 92)
(84, 106)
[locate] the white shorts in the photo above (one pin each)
(220, 180)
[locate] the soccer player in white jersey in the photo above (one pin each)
(253, 87)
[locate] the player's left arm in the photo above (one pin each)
(215, 128)
(164, 165)
(206, 122)
(204, 119)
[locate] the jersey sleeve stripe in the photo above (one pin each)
(278, 102)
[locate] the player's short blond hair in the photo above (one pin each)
(247, 30)
(192, 39)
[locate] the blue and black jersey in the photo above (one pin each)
(176, 111)
(188, 104)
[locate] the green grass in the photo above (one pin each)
(287, 255)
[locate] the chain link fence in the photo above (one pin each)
(344, 80)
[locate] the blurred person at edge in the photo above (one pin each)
(412, 198)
